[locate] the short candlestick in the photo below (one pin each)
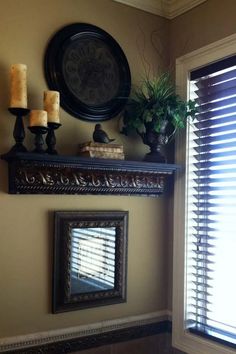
(51, 138)
(39, 142)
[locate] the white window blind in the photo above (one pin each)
(211, 204)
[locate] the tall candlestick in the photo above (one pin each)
(38, 118)
(52, 105)
(18, 86)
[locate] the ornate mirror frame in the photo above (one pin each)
(64, 299)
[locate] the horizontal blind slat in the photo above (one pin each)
(214, 147)
(215, 139)
(208, 90)
(214, 155)
(220, 130)
(221, 116)
(208, 81)
(206, 107)
(216, 96)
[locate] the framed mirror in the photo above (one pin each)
(90, 259)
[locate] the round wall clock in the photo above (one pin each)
(90, 70)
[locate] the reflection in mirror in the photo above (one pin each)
(92, 259)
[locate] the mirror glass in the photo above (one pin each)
(90, 259)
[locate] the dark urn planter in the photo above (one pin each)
(156, 142)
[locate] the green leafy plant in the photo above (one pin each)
(155, 105)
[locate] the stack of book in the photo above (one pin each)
(102, 151)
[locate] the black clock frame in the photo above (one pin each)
(56, 80)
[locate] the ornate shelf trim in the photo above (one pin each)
(48, 174)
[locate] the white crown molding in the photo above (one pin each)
(165, 8)
(178, 7)
(156, 7)
(52, 336)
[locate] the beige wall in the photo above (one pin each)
(26, 222)
(205, 24)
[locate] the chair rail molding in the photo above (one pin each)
(165, 8)
(87, 336)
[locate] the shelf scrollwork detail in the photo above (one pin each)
(44, 174)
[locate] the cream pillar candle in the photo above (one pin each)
(38, 118)
(18, 86)
(51, 105)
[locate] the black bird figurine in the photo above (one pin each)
(100, 136)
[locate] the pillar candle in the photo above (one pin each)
(51, 105)
(38, 118)
(18, 86)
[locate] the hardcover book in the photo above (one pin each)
(91, 146)
(103, 154)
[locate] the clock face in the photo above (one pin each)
(88, 67)
(90, 71)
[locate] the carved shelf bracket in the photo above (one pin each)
(52, 174)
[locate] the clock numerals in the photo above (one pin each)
(89, 68)
(91, 72)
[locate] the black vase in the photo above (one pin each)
(156, 142)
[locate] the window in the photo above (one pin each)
(211, 204)
(204, 263)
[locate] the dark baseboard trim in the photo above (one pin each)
(86, 342)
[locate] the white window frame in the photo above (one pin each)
(181, 339)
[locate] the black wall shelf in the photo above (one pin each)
(31, 173)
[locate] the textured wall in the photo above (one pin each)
(26, 222)
(206, 23)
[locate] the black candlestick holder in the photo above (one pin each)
(39, 131)
(51, 138)
(19, 131)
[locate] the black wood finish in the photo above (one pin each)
(97, 340)
(38, 141)
(89, 69)
(31, 173)
(51, 138)
(19, 130)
